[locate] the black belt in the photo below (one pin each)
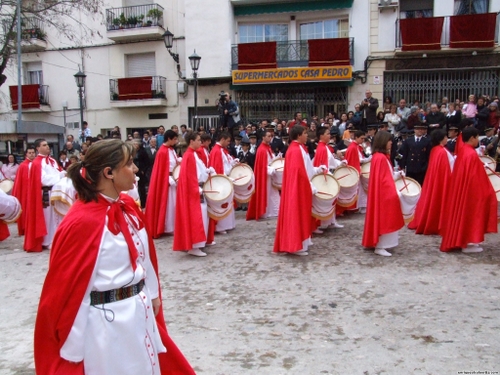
(45, 196)
(114, 295)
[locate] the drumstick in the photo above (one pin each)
(340, 178)
(322, 192)
(365, 172)
(404, 182)
(495, 173)
(211, 191)
(239, 178)
(279, 168)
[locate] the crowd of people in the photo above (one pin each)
(182, 175)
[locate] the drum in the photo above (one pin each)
(10, 208)
(365, 175)
(219, 195)
(323, 202)
(490, 162)
(176, 172)
(243, 182)
(348, 179)
(6, 186)
(278, 165)
(410, 194)
(495, 181)
(62, 196)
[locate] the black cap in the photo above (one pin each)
(245, 140)
(252, 136)
(285, 136)
(373, 126)
(421, 126)
(270, 127)
(238, 137)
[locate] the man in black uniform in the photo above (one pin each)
(489, 142)
(453, 131)
(276, 142)
(141, 160)
(245, 156)
(415, 152)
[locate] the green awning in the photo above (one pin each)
(303, 6)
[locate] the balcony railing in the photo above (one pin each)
(291, 53)
(134, 16)
(137, 88)
(445, 36)
(32, 96)
(31, 28)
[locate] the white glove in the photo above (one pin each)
(62, 174)
(270, 171)
(366, 160)
(211, 170)
(314, 190)
(397, 175)
(171, 181)
(235, 161)
(280, 155)
(200, 190)
(179, 159)
(486, 166)
(344, 162)
(320, 169)
(231, 179)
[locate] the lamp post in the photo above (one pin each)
(80, 82)
(194, 59)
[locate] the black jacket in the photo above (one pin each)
(415, 155)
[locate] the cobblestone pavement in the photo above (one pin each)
(340, 310)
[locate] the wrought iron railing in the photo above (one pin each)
(43, 94)
(290, 53)
(445, 35)
(32, 28)
(158, 86)
(134, 16)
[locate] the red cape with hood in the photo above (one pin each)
(352, 157)
(36, 227)
(202, 155)
(215, 161)
(383, 213)
(20, 191)
(70, 270)
(431, 206)
(294, 218)
(467, 220)
(157, 202)
(258, 204)
(188, 228)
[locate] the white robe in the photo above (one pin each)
(273, 194)
(119, 337)
(333, 163)
(229, 222)
(202, 175)
(172, 194)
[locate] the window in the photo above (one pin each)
(416, 9)
(34, 74)
(337, 28)
(471, 6)
(141, 65)
(263, 33)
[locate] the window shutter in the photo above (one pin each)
(141, 65)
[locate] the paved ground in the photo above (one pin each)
(340, 310)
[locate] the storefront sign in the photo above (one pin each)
(307, 74)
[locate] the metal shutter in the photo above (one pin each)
(141, 64)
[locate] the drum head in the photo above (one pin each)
(346, 176)
(327, 186)
(408, 186)
(365, 169)
(490, 162)
(6, 186)
(218, 188)
(176, 172)
(495, 181)
(241, 174)
(278, 163)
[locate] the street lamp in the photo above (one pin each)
(168, 38)
(194, 60)
(80, 82)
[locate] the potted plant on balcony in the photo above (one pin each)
(123, 21)
(132, 21)
(39, 34)
(140, 20)
(116, 23)
(155, 15)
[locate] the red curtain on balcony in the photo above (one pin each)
(326, 52)
(421, 34)
(135, 88)
(257, 56)
(473, 30)
(30, 96)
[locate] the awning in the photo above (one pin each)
(290, 7)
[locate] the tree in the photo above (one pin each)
(67, 18)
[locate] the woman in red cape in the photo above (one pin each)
(384, 217)
(467, 220)
(81, 326)
(20, 189)
(431, 207)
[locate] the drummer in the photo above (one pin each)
(265, 201)
(10, 209)
(160, 205)
(355, 156)
(324, 156)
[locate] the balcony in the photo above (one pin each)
(450, 33)
(292, 53)
(140, 22)
(33, 36)
(34, 98)
(138, 92)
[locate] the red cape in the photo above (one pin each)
(432, 204)
(36, 227)
(459, 145)
(383, 213)
(202, 155)
(294, 218)
(188, 228)
(466, 221)
(70, 270)
(157, 202)
(215, 161)
(20, 191)
(258, 204)
(321, 156)
(352, 156)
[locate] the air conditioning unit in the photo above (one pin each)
(181, 87)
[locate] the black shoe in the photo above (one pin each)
(238, 209)
(244, 208)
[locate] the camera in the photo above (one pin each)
(222, 96)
